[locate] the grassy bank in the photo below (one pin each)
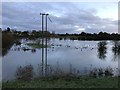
(68, 82)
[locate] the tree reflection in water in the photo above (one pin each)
(116, 49)
(102, 49)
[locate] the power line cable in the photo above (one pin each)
(51, 20)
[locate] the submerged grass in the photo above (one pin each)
(35, 45)
(60, 80)
(76, 82)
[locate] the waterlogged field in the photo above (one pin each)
(66, 56)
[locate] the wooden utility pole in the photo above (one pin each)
(43, 43)
(46, 45)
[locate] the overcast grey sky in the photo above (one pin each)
(67, 17)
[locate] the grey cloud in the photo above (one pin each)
(65, 17)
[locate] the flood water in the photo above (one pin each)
(80, 55)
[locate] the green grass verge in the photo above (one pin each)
(78, 82)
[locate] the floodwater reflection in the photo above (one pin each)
(73, 57)
(116, 49)
(102, 49)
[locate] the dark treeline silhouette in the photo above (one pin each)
(94, 36)
(8, 40)
(25, 34)
(81, 36)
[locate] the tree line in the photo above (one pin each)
(94, 36)
(81, 36)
